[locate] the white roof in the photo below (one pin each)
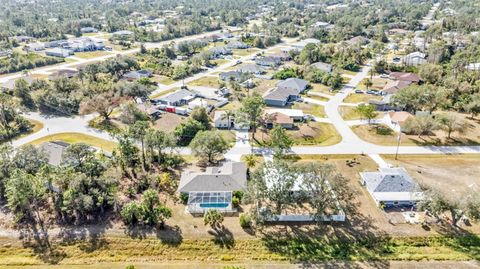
(289, 112)
(219, 115)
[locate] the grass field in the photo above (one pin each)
(245, 52)
(349, 113)
(163, 93)
(361, 98)
(163, 80)
(312, 109)
(206, 81)
(91, 54)
(78, 138)
(316, 87)
(275, 247)
(315, 134)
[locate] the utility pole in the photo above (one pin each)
(399, 138)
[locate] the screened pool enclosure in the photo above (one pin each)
(199, 202)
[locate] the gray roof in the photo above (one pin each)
(138, 74)
(322, 66)
(250, 68)
(10, 84)
(220, 50)
(268, 59)
(231, 74)
(54, 151)
(293, 83)
(391, 184)
(177, 96)
(280, 94)
(231, 176)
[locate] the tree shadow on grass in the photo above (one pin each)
(169, 235)
(89, 237)
(223, 237)
(459, 239)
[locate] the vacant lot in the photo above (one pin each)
(378, 83)
(470, 136)
(361, 98)
(78, 138)
(91, 54)
(350, 113)
(168, 121)
(263, 85)
(312, 109)
(163, 80)
(453, 174)
(245, 52)
(206, 81)
(312, 134)
(317, 87)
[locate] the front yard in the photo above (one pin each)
(312, 109)
(78, 138)
(206, 81)
(361, 98)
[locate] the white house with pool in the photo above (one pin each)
(213, 188)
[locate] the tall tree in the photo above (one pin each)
(280, 142)
(209, 145)
(252, 106)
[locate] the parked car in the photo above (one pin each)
(372, 92)
(384, 76)
(396, 59)
(359, 91)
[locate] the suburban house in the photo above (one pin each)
(323, 25)
(9, 85)
(213, 188)
(327, 68)
(219, 51)
(122, 34)
(268, 61)
(283, 56)
(392, 187)
(411, 77)
(56, 43)
(394, 86)
(135, 75)
(82, 44)
(299, 85)
(301, 44)
(274, 118)
(294, 114)
(34, 47)
(221, 120)
(63, 73)
(237, 45)
(58, 52)
(473, 67)
(4, 53)
(358, 40)
(86, 30)
(54, 151)
(251, 68)
(280, 96)
(397, 119)
(178, 98)
(414, 59)
(233, 75)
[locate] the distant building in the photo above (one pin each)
(10, 84)
(233, 75)
(297, 84)
(327, 68)
(64, 73)
(251, 68)
(178, 98)
(392, 87)
(268, 61)
(301, 44)
(58, 52)
(237, 45)
(136, 75)
(86, 30)
(23, 38)
(34, 47)
(122, 34)
(414, 59)
(219, 51)
(274, 118)
(358, 40)
(411, 77)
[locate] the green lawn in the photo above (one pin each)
(163, 93)
(245, 52)
(317, 87)
(77, 138)
(163, 80)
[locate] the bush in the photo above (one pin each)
(383, 130)
(130, 267)
(245, 221)
(235, 201)
(184, 197)
(238, 194)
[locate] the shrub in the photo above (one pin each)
(238, 194)
(235, 201)
(383, 130)
(184, 197)
(245, 221)
(130, 267)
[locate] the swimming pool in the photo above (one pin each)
(214, 205)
